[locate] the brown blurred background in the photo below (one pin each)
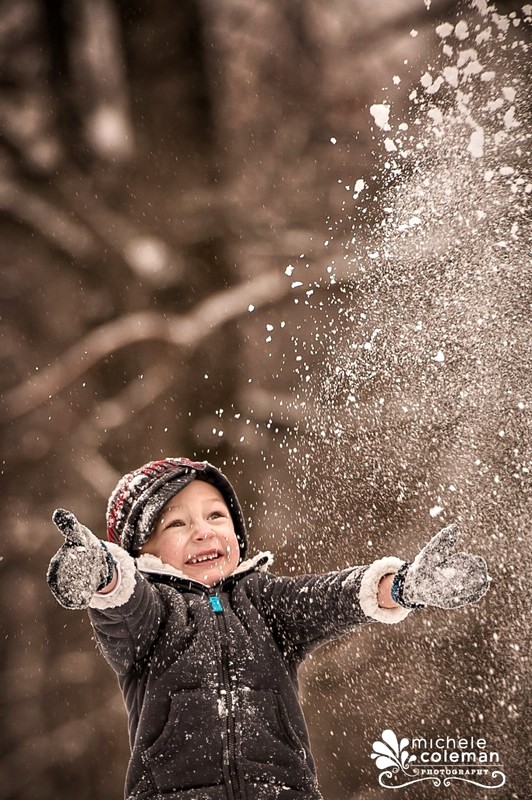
(185, 271)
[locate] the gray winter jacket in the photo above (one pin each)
(209, 675)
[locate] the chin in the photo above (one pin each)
(211, 580)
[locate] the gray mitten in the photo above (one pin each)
(439, 577)
(81, 567)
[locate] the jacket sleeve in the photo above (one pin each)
(305, 612)
(127, 620)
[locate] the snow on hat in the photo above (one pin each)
(140, 496)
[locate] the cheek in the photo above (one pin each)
(233, 551)
(171, 547)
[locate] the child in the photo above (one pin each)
(206, 643)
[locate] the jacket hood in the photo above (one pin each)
(151, 565)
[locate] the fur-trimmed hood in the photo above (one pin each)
(149, 564)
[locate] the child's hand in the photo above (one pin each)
(439, 577)
(81, 567)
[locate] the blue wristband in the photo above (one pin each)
(398, 585)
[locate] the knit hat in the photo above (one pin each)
(140, 496)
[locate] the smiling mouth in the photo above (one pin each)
(214, 555)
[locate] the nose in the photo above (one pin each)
(202, 530)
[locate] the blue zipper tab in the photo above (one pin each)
(216, 604)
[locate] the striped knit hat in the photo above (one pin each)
(140, 496)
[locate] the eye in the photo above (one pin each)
(217, 515)
(174, 523)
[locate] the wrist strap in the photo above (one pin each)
(110, 563)
(398, 586)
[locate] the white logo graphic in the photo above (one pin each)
(439, 759)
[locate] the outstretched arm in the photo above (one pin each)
(126, 610)
(307, 611)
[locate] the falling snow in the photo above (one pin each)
(420, 413)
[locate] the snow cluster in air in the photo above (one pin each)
(411, 403)
(424, 352)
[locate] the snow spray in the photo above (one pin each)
(421, 410)
(419, 413)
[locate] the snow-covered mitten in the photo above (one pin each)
(440, 577)
(81, 567)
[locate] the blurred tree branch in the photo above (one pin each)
(64, 233)
(178, 330)
(88, 226)
(109, 415)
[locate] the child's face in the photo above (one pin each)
(195, 534)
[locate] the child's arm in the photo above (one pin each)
(126, 610)
(305, 612)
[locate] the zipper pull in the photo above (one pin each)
(216, 604)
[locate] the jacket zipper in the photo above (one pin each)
(216, 605)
